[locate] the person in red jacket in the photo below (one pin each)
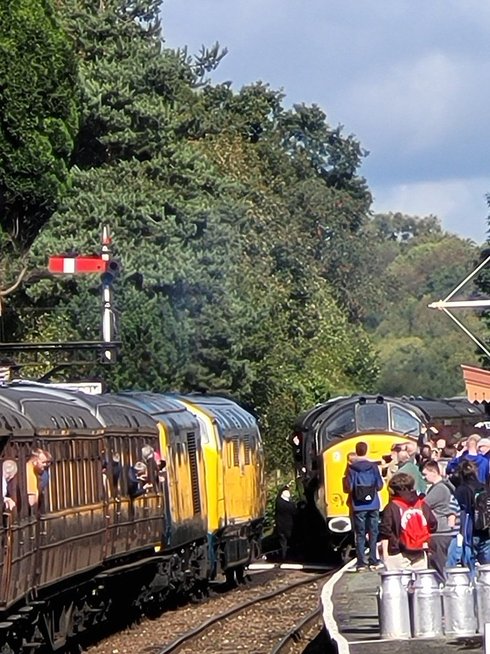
(406, 525)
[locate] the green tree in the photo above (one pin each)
(421, 350)
(38, 104)
(215, 200)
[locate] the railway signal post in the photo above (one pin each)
(108, 268)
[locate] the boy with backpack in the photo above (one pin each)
(406, 525)
(363, 481)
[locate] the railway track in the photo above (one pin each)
(153, 636)
(298, 635)
(272, 622)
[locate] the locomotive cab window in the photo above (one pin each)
(372, 417)
(404, 422)
(342, 424)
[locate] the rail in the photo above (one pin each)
(297, 633)
(292, 632)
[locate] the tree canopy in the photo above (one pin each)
(250, 264)
(38, 105)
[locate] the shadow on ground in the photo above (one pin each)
(322, 644)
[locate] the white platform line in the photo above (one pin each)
(377, 640)
(264, 565)
(327, 604)
(261, 566)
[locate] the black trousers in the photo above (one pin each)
(438, 547)
(283, 542)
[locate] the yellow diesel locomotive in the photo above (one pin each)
(324, 436)
(112, 502)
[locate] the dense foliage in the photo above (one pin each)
(421, 350)
(249, 262)
(38, 108)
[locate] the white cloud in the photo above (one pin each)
(459, 203)
(415, 103)
(408, 78)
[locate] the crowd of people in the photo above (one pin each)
(438, 513)
(146, 475)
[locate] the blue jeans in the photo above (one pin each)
(479, 552)
(366, 523)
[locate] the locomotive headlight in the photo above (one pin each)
(340, 525)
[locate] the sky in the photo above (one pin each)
(410, 79)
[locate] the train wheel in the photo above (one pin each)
(240, 575)
(230, 577)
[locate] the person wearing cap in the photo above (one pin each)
(391, 468)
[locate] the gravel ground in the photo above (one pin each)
(149, 636)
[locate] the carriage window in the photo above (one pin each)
(77, 495)
(61, 482)
(229, 453)
(72, 468)
(236, 450)
(193, 465)
(246, 445)
(342, 424)
(371, 417)
(404, 422)
(96, 470)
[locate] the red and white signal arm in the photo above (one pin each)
(67, 265)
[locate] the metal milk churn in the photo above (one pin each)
(394, 614)
(483, 596)
(426, 605)
(459, 603)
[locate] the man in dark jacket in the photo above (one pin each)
(403, 497)
(363, 482)
(285, 515)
